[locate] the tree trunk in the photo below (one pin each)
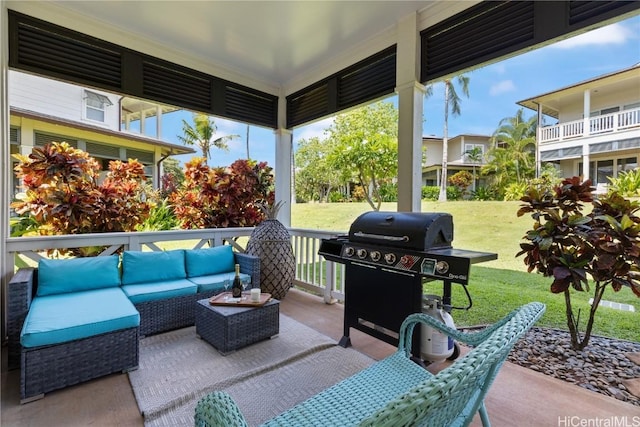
(571, 323)
(597, 297)
(442, 197)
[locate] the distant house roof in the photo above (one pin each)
(462, 135)
(168, 148)
(599, 81)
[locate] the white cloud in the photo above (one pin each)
(611, 34)
(502, 87)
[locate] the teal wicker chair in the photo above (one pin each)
(396, 391)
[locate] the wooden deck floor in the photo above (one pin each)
(519, 396)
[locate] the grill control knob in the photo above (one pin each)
(349, 251)
(442, 267)
(375, 256)
(390, 258)
(362, 253)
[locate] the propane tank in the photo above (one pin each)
(435, 346)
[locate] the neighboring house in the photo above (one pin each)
(45, 110)
(458, 148)
(597, 129)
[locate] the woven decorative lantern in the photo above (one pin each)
(271, 242)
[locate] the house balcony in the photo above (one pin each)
(519, 395)
(605, 125)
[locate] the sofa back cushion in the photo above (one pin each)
(141, 267)
(59, 276)
(204, 262)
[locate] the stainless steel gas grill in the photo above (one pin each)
(387, 256)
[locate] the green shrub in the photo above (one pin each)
(161, 217)
(454, 193)
(389, 192)
(483, 193)
(627, 183)
(23, 225)
(515, 191)
(336, 197)
(430, 192)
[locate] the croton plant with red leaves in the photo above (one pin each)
(63, 194)
(223, 197)
(572, 247)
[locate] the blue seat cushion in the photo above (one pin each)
(57, 276)
(215, 282)
(54, 319)
(204, 262)
(153, 291)
(143, 267)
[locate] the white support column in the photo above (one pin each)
(410, 111)
(159, 122)
(538, 131)
(142, 116)
(284, 153)
(5, 168)
(586, 112)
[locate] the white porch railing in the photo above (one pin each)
(597, 125)
(313, 272)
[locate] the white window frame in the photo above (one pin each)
(95, 102)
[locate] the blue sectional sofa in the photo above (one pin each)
(71, 320)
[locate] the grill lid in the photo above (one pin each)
(411, 230)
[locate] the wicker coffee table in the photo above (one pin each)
(231, 328)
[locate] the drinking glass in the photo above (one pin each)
(227, 284)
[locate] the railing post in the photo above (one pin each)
(330, 282)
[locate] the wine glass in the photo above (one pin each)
(226, 284)
(244, 283)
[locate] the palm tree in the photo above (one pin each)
(202, 134)
(451, 101)
(518, 136)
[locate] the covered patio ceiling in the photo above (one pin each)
(277, 44)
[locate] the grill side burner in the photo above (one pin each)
(387, 255)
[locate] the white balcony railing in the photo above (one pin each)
(313, 272)
(606, 123)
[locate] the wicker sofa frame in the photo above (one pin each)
(180, 312)
(48, 368)
(396, 391)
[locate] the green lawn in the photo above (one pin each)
(498, 286)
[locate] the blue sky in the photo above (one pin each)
(494, 91)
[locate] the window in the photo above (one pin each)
(95, 106)
(630, 163)
(609, 110)
(604, 169)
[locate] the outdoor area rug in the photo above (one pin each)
(176, 369)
